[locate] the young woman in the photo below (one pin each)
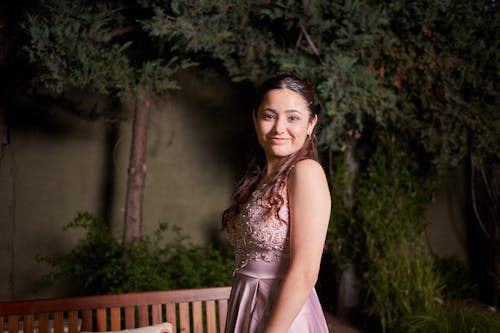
(278, 218)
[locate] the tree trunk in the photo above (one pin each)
(137, 169)
(349, 285)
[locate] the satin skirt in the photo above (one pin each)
(254, 291)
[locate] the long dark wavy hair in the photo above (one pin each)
(272, 199)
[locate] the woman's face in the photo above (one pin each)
(282, 123)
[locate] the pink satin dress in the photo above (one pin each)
(262, 253)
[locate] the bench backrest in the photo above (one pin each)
(189, 310)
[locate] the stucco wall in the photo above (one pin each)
(45, 178)
(446, 215)
(50, 172)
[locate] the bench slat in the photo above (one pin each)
(211, 322)
(184, 317)
(156, 314)
(101, 320)
(28, 323)
(129, 317)
(87, 324)
(58, 322)
(197, 317)
(222, 314)
(115, 319)
(143, 316)
(72, 322)
(43, 323)
(13, 324)
(171, 315)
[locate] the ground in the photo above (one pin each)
(337, 326)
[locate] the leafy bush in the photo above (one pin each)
(401, 274)
(99, 264)
(457, 278)
(383, 234)
(457, 317)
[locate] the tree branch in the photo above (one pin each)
(122, 31)
(298, 41)
(474, 203)
(309, 39)
(486, 183)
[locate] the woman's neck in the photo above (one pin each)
(271, 166)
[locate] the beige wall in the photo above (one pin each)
(47, 176)
(447, 216)
(44, 180)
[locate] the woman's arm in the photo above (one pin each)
(310, 203)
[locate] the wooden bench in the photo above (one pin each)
(189, 311)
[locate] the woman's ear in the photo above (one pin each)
(311, 125)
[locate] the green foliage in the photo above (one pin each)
(99, 264)
(345, 236)
(444, 68)
(391, 192)
(402, 282)
(427, 67)
(456, 317)
(401, 274)
(227, 31)
(457, 278)
(80, 44)
(384, 232)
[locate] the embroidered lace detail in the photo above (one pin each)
(257, 236)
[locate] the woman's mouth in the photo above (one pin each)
(277, 140)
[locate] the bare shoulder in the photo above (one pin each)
(307, 172)
(308, 187)
(307, 168)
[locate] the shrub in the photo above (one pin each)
(456, 317)
(99, 264)
(457, 278)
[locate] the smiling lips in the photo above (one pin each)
(277, 140)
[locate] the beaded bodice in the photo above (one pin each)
(257, 236)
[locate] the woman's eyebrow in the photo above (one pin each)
(268, 109)
(293, 111)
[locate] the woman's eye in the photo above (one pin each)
(293, 118)
(267, 116)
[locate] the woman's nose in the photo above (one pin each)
(279, 126)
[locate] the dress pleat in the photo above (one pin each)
(252, 299)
